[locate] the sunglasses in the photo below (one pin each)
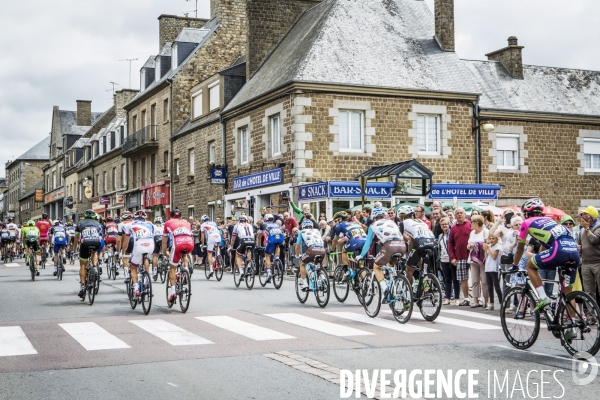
(568, 223)
(390, 213)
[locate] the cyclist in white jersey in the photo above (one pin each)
(211, 235)
(420, 237)
(158, 235)
(13, 232)
(311, 244)
(245, 232)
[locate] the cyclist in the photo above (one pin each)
(70, 235)
(419, 238)
(125, 247)
(388, 234)
(211, 236)
(311, 244)
(13, 231)
(158, 233)
(181, 233)
(142, 233)
(58, 234)
(111, 234)
(244, 233)
(558, 248)
(44, 227)
(88, 233)
(272, 238)
(350, 233)
(5, 238)
(31, 236)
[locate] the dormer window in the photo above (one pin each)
(143, 79)
(174, 57)
(158, 72)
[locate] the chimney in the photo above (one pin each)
(170, 26)
(84, 113)
(268, 22)
(121, 99)
(444, 24)
(511, 57)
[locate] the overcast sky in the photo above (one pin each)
(57, 51)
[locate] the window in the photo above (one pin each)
(122, 134)
(165, 110)
(157, 72)
(114, 179)
(351, 131)
(104, 182)
(507, 151)
(211, 212)
(134, 178)
(143, 79)
(191, 160)
(174, 57)
(591, 151)
(112, 144)
(134, 124)
(98, 184)
(197, 104)
(103, 144)
(275, 135)
(244, 145)
(143, 168)
(153, 168)
(166, 161)
(211, 152)
(177, 167)
(80, 191)
(59, 176)
(428, 134)
(54, 180)
(123, 176)
(190, 211)
(143, 119)
(214, 95)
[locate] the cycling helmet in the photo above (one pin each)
(243, 218)
(175, 213)
(141, 214)
(109, 219)
(378, 212)
(69, 223)
(30, 223)
(19, 226)
(90, 214)
(56, 222)
(407, 210)
(44, 215)
(533, 207)
(158, 220)
(340, 215)
(307, 224)
(204, 218)
(269, 217)
(10, 220)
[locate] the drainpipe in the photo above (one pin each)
(170, 82)
(224, 158)
(477, 142)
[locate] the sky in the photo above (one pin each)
(55, 52)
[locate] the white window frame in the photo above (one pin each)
(191, 162)
(362, 131)
(53, 180)
(177, 167)
(595, 142)
(104, 185)
(191, 212)
(427, 151)
(174, 57)
(275, 128)
(212, 89)
(80, 191)
(157, 69)
(212, 152)
(243, 134)
(123, 176)
(197, 97)
(498, 148)
(143, 80)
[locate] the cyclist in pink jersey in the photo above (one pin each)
(181, 232)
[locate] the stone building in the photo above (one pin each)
(21, 175)
(30, 208)
(355, 85)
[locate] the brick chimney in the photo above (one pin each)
(444, 24)
(170, 26)
(268, 22)
(84, 113)
(511, 57)
(121, 99)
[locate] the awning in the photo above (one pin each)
(411, 169)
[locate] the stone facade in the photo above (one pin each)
(169, 26)
(444, 24)
(21, 175)
(84, 113)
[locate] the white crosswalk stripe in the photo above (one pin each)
(93, 337)
(14, 342)
(487, 317)
(170, 333)
(384, 323)
(318, 325)
(12, 265)
(243, 328)
(452, 321)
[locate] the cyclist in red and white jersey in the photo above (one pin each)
(111, 234)
(181, 233)
(44, 227)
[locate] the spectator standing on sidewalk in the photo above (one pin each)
(459, 254)
(451, 283)
(477, 239)
(420, 214)
(589, 240)
(492, 257)
(488, 218)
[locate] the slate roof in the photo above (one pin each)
(150, 63)
(166, 50)
(31, 192)
(68, 119)
(40, 151)
(189, 126)
(3, 183)
(80, 143)
(192, 35)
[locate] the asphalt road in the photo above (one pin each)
(239, 344)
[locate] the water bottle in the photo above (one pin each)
(352, 274)
(415, 285)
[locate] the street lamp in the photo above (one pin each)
(485, 127)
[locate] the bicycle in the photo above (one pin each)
(60, 268)
(346, 276)
(249, 270)
(564, 318)
(43, 257)
(145, 288)
(92, 280)
(183, 286)
(318, 282)
(31, 262)
(162, 268)
(112, 268)
(216, 267)
(277, 270)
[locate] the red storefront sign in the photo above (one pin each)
(157, 194)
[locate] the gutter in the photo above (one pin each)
(224, 152)
(477, 141)
(170, 175)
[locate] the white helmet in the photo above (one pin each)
(269, 217)
(407, 210)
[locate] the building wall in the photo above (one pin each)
(106, 165)
(30, 209)
(19, 179)
(169, 27)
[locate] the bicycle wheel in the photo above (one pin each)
(164, 269)
(358, 281)
(96, 281)
(341, 287)
(323, 289)
(401, 305)
(519, 326)
(146, 292)
(59, 270)
(32, 272)
(91, 286)
(219, 266)
(236, 276)
(579, 316)
(185, 290)
(262, 273)
(131, 295)
(207, 270)
(109, 270)
(249, 275)
(302, 296)
(371, 294)
(168, 287)
(278, 272)
(430, 302)
(190, 265)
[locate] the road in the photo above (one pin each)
(239, 344)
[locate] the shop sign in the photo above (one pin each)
(50, 197)
(69, 202)
(351, 189)
(258, 179)
(88, 192)
(157, 195)
(464, 192)
(133, 200)
(120, 198)
(39, 194)
(218, 175)
(104, 201)
(313, 191)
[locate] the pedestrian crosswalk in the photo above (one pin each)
(210, 330)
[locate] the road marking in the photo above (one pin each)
(452, 321)
(488, 317)
(170, 333)
(93, 337)
(384, 323)
(318, 325)
(244, 328)
(14, 342)
(172, 384)
(12, 265)
(545, 355)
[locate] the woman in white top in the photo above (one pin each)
(451, 283)
(476, 241)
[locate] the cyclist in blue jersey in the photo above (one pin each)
(272, 238)
(351, 234)
(58, 235)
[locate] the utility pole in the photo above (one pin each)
(130, 60)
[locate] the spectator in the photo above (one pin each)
(459, 254)
(589, 240)
(300, 211)
(436, 204)
(391, 214)
(367, 220)
(450, 282)
(450, 215)
(324, 229)
(308, 215)
(357, 216)
(492, 257)
(436, 215)
(507, 241)
(290, 223)
(488, 219)
(197, 251)
(477, 239)
(420, 214)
